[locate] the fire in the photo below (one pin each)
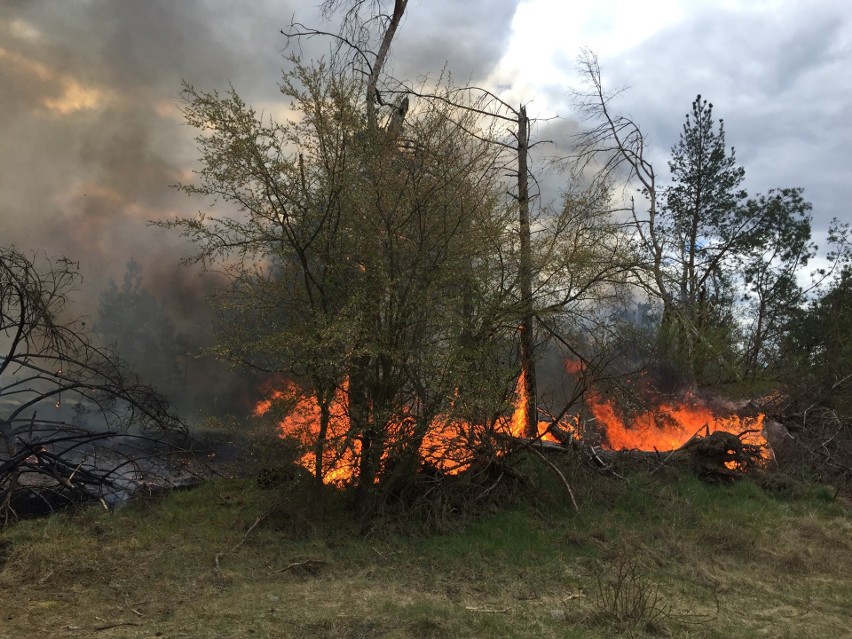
(518, 422)
(302, 422)
(450, 444)
(519, 415)
(669, 426)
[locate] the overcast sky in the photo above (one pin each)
(91, 136)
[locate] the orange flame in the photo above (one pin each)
(450, 444)
(518, 425)
(668, 426)
(518, 422)
(302, 422)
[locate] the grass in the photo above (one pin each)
(723, 561)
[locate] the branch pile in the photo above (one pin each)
(98, 411)
(718, 456)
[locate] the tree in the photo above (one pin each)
(701, 226)
(574, 254)
(372, 252)
(513, 151)
(814, 369)
(706, 248)
(817, 349)
(355, 34)
(355, 262)
(769, 267)
(49, 364)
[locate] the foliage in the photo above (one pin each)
(815, 374)
(356, 260)
(770, 264)
(727, 244)
(698, 229)
(818, 346)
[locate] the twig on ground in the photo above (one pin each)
(115, 625)
(555, 469)
(248, 532)
(308, 564)
(219, 555)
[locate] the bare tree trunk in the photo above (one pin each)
(362, 399)
(528, 379)
(379, 63)
(319, 445)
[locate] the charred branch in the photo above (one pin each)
(49, 366)
(717, 457)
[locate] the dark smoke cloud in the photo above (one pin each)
(92, 137)
(91, 130)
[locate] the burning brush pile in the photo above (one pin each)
(717, 442)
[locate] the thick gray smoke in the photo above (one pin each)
(92, 133)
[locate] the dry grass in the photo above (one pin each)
(722, 561)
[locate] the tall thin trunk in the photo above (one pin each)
(525, 273)
(362, 389)
(322, 436)
(379, 63)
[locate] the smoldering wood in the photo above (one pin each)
(718, 456)
(56, 468)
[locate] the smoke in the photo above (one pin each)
(94, 126)
(94, 139)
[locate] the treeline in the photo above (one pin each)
(389, 244)
(383, 243)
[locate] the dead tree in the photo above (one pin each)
(62, 398)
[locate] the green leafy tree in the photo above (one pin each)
(815, 371)
(355, 259)
(701, 227)
(769, 267)
(817, 349)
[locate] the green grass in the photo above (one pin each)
(725, 561)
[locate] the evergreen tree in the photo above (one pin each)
(701, 219)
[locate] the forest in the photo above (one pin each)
(445, 355)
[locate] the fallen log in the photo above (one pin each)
(719, 456)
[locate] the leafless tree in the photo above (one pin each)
(61, 396)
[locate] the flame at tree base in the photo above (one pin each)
(452, 445)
